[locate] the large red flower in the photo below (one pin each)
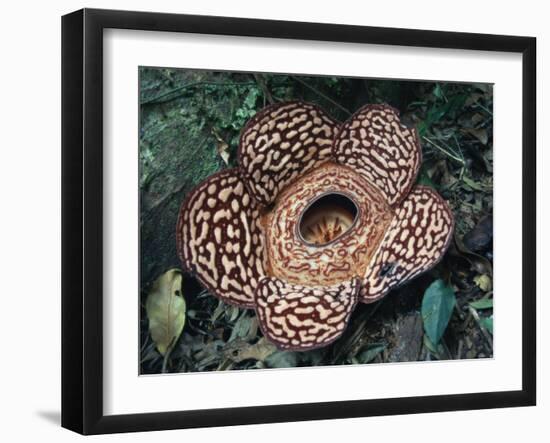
(316, 217)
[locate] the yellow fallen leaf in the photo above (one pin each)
(484, 282)
(165, 308)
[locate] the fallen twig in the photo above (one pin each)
(447, 153)
(264, 88)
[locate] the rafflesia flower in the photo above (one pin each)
(317, 217)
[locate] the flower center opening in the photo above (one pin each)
(327, 218)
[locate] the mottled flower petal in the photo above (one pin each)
(374, 143)
(415, 241)
(297, 317)
(282, 142)
(219, 238)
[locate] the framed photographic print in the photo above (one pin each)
(291, 221)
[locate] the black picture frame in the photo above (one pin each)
(82, 218)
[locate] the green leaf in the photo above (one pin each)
(435, 350)
(484, 303)
(368, 354)
(437, 307)
(472, 184)
(422, 127)
(487, 323)
(252, 96)
(438, 91)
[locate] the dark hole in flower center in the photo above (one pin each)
(327, 218)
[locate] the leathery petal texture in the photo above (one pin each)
(219, 238)
(304, 317)
(415, 241)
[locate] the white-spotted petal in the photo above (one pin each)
(297, 317)
(415, 241)
(219, 238)
(374, 143)
(282, 142)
